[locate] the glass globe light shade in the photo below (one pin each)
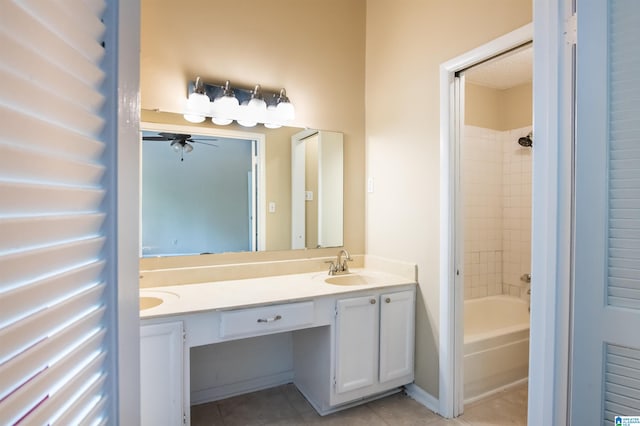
(224, 109)
(244, 118)
(197, 107)
(272, 121)
(286, 111)
(257, 110)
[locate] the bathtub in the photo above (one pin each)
(496, 345)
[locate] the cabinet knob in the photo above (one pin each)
(388, 300)
(372, 301)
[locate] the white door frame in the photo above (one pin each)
(298, 231)
(451, 298)
(554, 35)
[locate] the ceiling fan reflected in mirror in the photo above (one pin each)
(180, 142)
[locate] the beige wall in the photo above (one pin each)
(407, 40)
(481, 106)
(517, 107)
(315, 49)
(498, 109)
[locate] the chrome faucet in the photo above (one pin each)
(340, 266)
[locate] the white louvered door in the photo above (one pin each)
(605, 361)
(56, 334)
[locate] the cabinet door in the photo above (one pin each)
(161, 367)
(397, 322)
(356, 343)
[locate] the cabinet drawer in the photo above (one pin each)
(266, 319)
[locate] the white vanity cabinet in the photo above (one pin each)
(374, 344)
(345, 343)
(161, 374)
(369, 350)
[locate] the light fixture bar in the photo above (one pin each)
(246, 106)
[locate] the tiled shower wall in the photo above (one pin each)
(496, 199)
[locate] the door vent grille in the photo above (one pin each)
(623, 289)
(621, 382)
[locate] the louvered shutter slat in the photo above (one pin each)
(20, 164)
(65, 83)
(25, 300)
(86, 383)
(48, 199)
(22, 334)
(47, 137)
(624, 158)
(21, 233)
(48, 44)
(65, 112)
(54, 329)
(35, 359)
(35, 264)
(33, 392)
(59, 21)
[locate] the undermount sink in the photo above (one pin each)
(350, 279)
(148, 302)
(151, 299)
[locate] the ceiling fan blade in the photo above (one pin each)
(179, 136)
(154, 138)
(203, 143)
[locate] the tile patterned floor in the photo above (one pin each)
(284, 405)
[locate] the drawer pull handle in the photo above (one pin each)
(372, 301)
(388, 300)
(272, 319)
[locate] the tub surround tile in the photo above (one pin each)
(496, 175)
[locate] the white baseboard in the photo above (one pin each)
(423, 397)
(496, 390)
(217, 393)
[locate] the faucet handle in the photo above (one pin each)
(333, 268)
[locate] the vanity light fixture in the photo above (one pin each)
(225, 107)
(247, 107)
(197, 107)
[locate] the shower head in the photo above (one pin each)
(526, 141)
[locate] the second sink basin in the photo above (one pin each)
(154, 298)
(350, 279)
(148, 302)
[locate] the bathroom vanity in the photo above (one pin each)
(352, 334)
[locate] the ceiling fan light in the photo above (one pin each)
(187, 147)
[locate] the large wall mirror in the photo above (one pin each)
(209, 190)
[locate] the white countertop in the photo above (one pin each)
(237, 294)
